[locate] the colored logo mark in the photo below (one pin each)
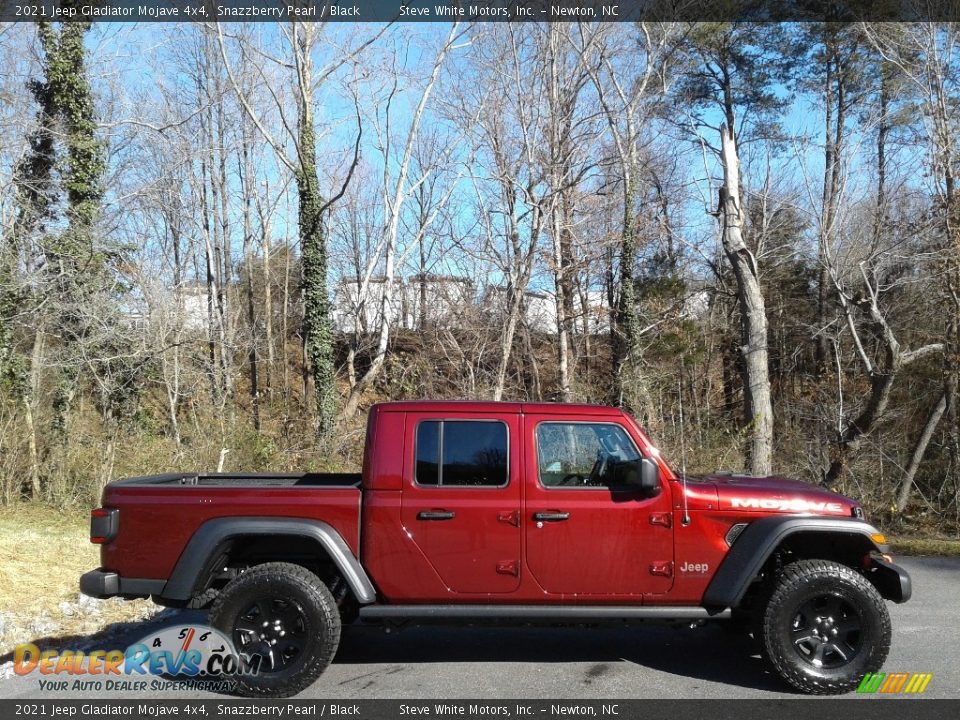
(894, 683)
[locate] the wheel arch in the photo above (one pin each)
(214, 538)
(842, 540)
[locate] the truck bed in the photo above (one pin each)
(180, 503)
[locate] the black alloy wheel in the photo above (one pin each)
(273, 628)
(826, 631)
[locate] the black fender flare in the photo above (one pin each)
(214, 533)
(760, 539)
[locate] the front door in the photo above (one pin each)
(589, 530)
(461, 500)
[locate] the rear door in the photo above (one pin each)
(461, 499)
(588, 531)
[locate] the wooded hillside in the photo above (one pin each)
(220, 244)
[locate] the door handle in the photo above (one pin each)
(551, 516)
(436, 515)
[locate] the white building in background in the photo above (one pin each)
(696, 303)
(445, 300)
(540, 309)
(350, 307)
(160, 307)
(195, 305)
(596, 314)
(449, 299)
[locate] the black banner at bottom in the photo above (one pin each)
(851, 707)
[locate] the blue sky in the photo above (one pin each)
(128, 60)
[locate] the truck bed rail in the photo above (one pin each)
(246, 479)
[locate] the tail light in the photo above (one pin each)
(104, 523)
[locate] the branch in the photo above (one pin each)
(908, 357)
(278, 149)
(353, 166)
(149, 126)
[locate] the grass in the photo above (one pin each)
(43, 553)
(925, 546)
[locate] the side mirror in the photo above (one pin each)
(649, 477)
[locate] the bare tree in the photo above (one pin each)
(506, 114)
(882, 372)
(630, 74)
(397, 190)
(570, 153)
(303, 39)
(731, 70)
(926, 54)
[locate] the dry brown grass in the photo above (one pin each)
(43, 552)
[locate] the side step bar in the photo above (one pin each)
(539, 612)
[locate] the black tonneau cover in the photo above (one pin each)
(247, 479)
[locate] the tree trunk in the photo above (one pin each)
(829, 167)
(173, 384)
(29, 398)
(211, 281)
(514, 308)
(626, 337)
(561, 303)
(919, 450)
(285, 329)
(422, 286)
(249, 189)
(758, 411)
(34, 476)
(317, 325)
(268, 313)
(534, 367)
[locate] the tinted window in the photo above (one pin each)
(428, 453)
(461, 452)
(586, 455)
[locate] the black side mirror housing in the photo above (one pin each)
(649, 477)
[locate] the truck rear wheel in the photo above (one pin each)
(284, 614)
(825, 626)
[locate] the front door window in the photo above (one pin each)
(585, 455)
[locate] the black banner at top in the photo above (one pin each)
(478, 10)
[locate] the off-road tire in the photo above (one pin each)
(204, 599)
(279, 590)
(816, 599)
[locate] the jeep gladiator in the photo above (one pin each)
(508, 512)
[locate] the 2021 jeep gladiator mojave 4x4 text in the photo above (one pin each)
(510, 512)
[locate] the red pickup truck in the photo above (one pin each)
(516, 512)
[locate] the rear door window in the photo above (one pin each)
(464, 453)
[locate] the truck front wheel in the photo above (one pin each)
(285, 617)
(825, 626)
